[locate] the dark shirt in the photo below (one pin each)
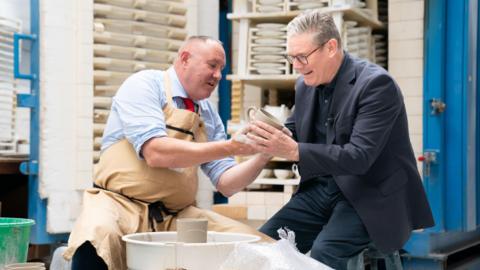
(324, 120)
(324, 99)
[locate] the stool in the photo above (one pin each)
(392, 260)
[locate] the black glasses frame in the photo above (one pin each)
(303, 59)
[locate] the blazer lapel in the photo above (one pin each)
(345, 81)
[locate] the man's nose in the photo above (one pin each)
(297, 64)
(218, 74)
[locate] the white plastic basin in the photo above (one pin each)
(159, 250)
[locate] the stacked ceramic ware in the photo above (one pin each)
(359, 5)
(351, 3)
(268, 6)
(8, 86)
(267, 48)
(380, 50)
(357, 39)
(308, 4)
(129, 36)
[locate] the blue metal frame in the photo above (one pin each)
(225, 86)
(37, 208)
(456, 66)
(471, 53)
(446, 78)
(16, 56)
(433, 130)
(477, 161)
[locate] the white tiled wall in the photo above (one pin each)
(66, 98)
(406, 58)
(261, 205)
(202, 19)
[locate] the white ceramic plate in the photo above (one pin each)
(269, 9)
(363, 45)
(360, 5)
(350, 24)
(267, 2)
(271, 25)
(352, 47)
(364, 30)
(270, 57)
(309, 1)
(269, 49)
(353, 32)
(269, 71)
(310, 5)
(268, 65)
(270, 33)
(269, 41)
(352, 39)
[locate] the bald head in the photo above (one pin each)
(199, 64)
(195, 41)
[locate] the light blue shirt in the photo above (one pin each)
(137, 115)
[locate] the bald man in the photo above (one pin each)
(160, 128)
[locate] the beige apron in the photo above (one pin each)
(129, 185)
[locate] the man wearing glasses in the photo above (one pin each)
(360, 185)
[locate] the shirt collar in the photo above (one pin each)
(177, 88)
(332, 84)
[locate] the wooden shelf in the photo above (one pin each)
(11, 164)
(267, 81)
(276, 181)
(277, 17)
(274, 159)
(351, 13)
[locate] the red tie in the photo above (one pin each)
(189, 104)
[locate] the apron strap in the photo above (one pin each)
(156, 211)
(167, 84)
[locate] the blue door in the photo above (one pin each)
(451, 132)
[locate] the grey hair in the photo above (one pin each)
(203, 38)
(317, 22)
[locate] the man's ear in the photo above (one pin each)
(332, 46)
(184, 57)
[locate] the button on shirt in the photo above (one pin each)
(324, 98)
(324, 94)
(137, 115)
(325, 120)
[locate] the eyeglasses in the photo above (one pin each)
(303, 59)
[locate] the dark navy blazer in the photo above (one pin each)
(368, 151)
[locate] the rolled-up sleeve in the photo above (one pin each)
(138, 105)
(216, 132)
